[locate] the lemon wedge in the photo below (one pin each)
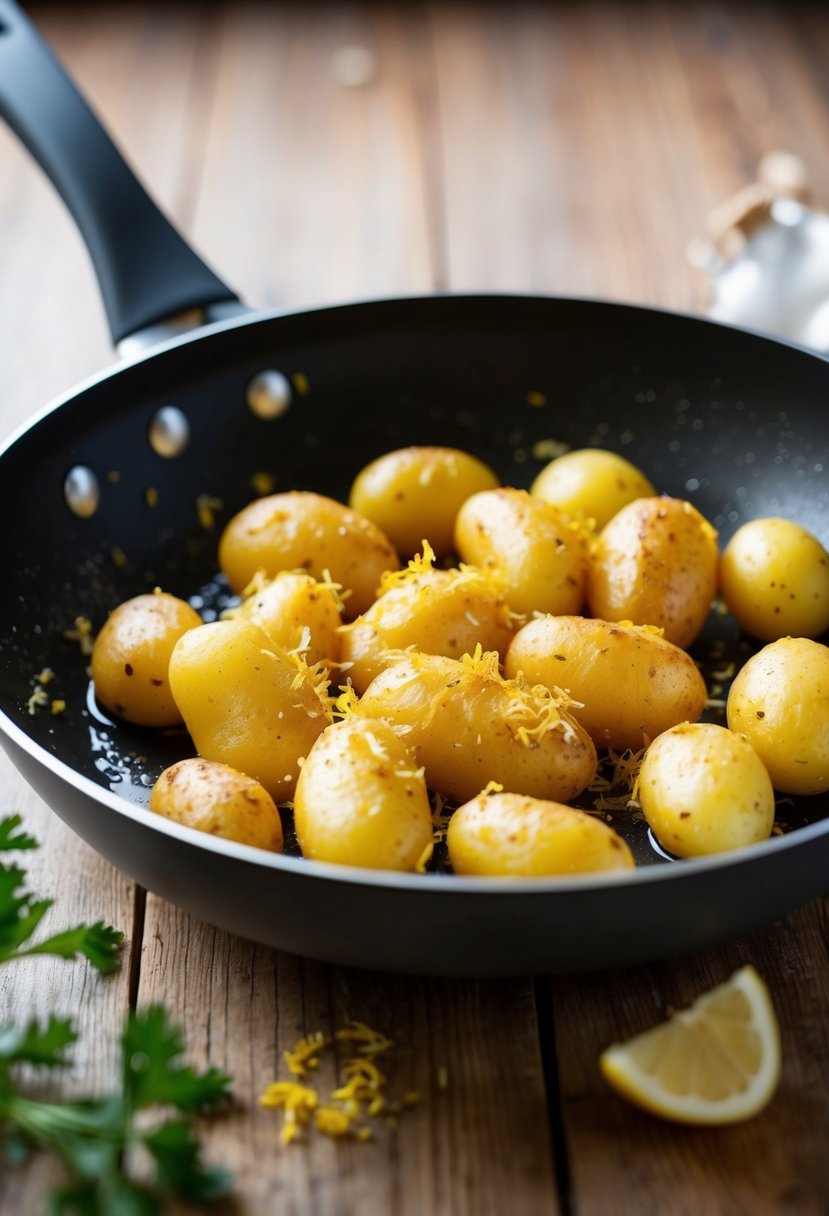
(717, 1062)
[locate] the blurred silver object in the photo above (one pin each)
(766, 256)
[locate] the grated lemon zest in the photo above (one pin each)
(420, 564)
(82, 634)
(424, 858)
(624, 772)
(305, 1054)
(347, 702)
(206, 507)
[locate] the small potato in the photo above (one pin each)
(296, 611)
(704, 789)
(774, 577)
(220, 800)
(468, 726)
(303, 531)
(246, 702)
(780, 702)
(655, 563)
(131, 656)
(537, 555)
(361, 800)
(631, 683)
(437, 611)
(415, 493)
(513, 836)
(591, 483)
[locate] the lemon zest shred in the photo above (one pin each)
(206, 507)
(370, 1042)
(82, 634)
(424, 858)
(347, 702)
(305, 1054)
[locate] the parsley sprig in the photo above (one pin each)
(21, 913)
(150, 1115)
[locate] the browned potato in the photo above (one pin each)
(131, 656)
(511, 835)
(436, 611)
(415, 493)
(220, 800)
(361, 800)
(655, 563)
(303, 531)
(628, 683)
(538, 556)
(248, 703)
(468, 726)
(297, 612)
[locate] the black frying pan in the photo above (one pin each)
(737, 422)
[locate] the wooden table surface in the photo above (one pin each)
(572, 148)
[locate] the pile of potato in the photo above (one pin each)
(529, 632)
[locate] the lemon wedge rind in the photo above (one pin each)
(717, 1062)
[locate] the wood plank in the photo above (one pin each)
(773, 1163)
(316, 192)
(478, 1146)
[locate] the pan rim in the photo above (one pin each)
(262, 316)
(686, 869)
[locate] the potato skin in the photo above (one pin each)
(591, 483)
(512, 835)
(415, 493)
(774, 577)
(780, 702)
(360, 799)
(131, 656)
(289, 604)
(469, 726)
(538, 556)
(437, 611)
(703, 789)
(247, 703)
(632, 683)
(299, 530)
(655, 563)
(220, 800)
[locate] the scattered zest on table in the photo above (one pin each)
(714, 1063)
(361, 1097)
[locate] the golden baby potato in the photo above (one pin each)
(628, 683)
(539, 557)
(780, 702)
(444, 612)
(468, 726)
(591, 483)
(655, 563)
(131, 656)
(297, 612)
(703, 789)
(219, 800)
(299, 530)
(415, 493)
(515, 836)
(774, 577)
(361, 800)
(248, 703)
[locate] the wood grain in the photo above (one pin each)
(573, 148)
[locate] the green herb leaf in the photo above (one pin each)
(99, 943)
(104, 1198)
(153, 1071)
(34, 1044)
(8, 840)
(175, 1150)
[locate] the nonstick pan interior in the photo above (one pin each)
(734, 422)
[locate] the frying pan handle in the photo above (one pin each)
(147, 273)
